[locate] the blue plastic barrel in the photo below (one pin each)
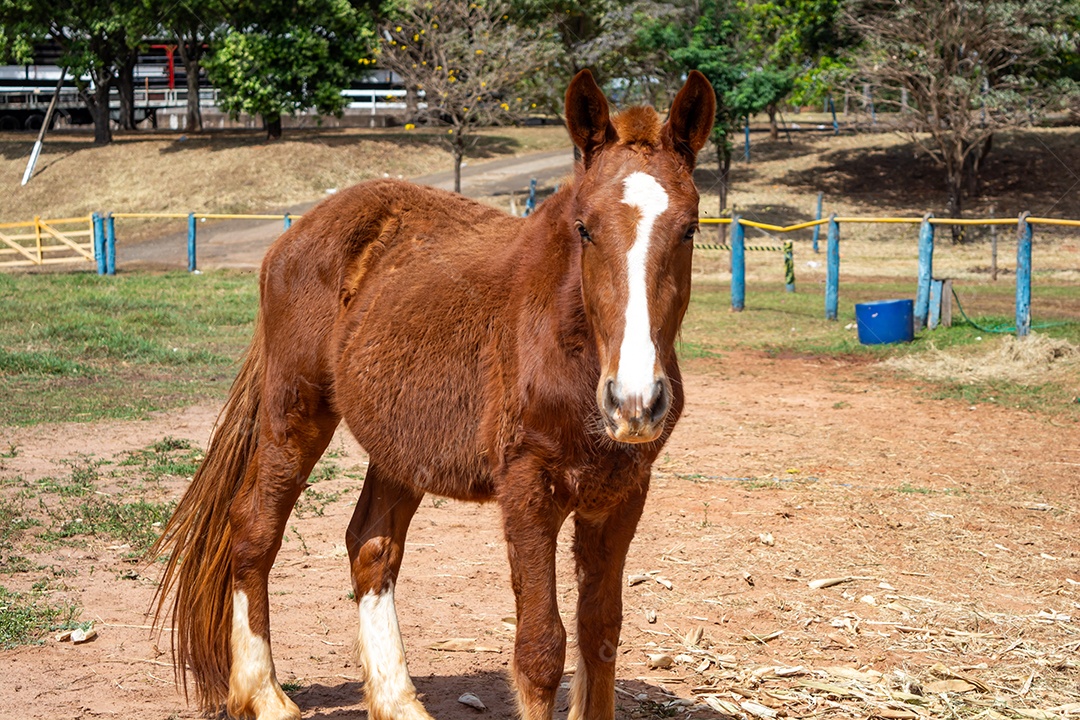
(885, 321)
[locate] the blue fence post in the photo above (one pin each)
(530, 204)
(817, 228)
(738, 264)
(746, 141)
(832, 273)
(1023, 276)
(99, 243)
(110, 244)
(288, 221)
(191, 242)
(926, 271)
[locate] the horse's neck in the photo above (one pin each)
(551, 278)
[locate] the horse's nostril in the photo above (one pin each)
(659, 406)
(611, 403)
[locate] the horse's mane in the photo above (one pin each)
(638, 126)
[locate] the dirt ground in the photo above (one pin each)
(952, 527)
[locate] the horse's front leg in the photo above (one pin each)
(531, 521)
(600, 546)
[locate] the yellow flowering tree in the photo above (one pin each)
(467, 62)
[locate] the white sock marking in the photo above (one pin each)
(390, 691)
(252, 682)
(637, 354)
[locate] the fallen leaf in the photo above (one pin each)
(758, 709)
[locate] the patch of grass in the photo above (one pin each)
(82, 347)
(292, 686)
(691, 349)
(83, 480)
(169, 456)
(325, 470)
(314, 502)
(136, 523)
(25, 618)
(13, 521)
(785, 324)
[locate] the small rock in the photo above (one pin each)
(659, 661)
(80, 636)
(766, 538)
(868, 599)
(63, 635)
(472, 701)
(650, 617)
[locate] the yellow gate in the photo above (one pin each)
(47, 242)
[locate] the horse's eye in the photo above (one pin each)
(585, 236)
(690, 233)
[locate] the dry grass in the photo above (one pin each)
(228, 171)
(1037, 359)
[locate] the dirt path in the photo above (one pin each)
(954, 525)
(241, 244)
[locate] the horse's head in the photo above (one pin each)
(636, 212)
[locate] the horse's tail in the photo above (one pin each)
(197, 542)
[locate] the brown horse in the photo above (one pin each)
(473, 355)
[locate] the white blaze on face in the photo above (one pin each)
(253, 687)
(389, 689)
(637, 354)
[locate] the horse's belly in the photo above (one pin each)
(412, 380)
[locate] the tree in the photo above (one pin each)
(470, 60)
(94, 37)
(762, 89)
(712, 49)
(968, 69)
(194, 24)
(785, 41)
(284, 57)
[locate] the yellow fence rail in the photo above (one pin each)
(47, 242)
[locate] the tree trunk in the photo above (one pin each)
(774, 129)
(98, 105)
(459, 153)
(974, 166)
(190, 49)
(273, 127)
(125, 85)
(723, 163)
(954, 209)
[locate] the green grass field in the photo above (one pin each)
(78, 347)
(83, 347)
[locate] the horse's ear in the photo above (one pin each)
(587, 116)
(691, 118)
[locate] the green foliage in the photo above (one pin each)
(136, 523)
(760, 90)
(169, 456)
(282, 58)
(26, 617)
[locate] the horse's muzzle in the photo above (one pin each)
(634, 417)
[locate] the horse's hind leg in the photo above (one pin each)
(376, 542)
(292, 437)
